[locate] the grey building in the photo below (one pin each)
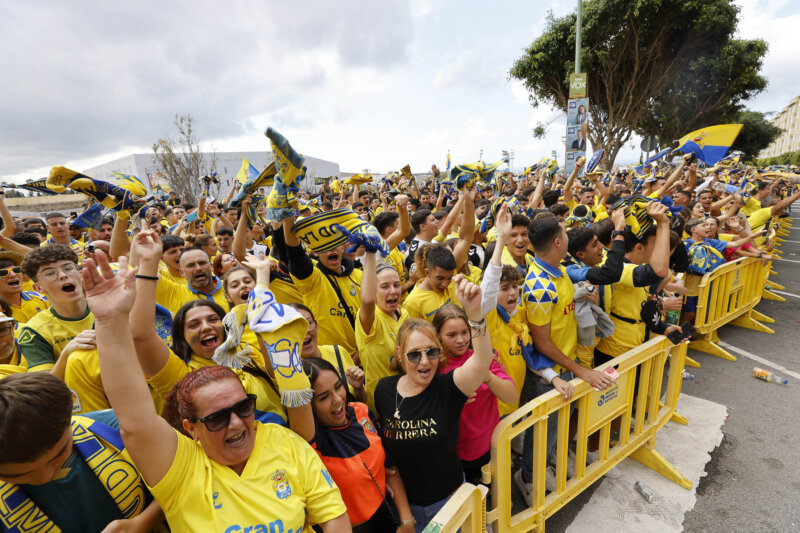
(146, 168)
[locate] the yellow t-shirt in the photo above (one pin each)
(268, 402)
(283, 483)
(750, 206)
(627, 302)
(82, 376)
(376, 349)
(548, 297)
(44, 336)
(424, 304)
(30, 304)
(173, 295)
(164, 272)
(320, 297)
(395, 260)
(507, 342)
(757, 220)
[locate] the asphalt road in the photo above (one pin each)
(753, 478)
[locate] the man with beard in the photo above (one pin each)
(200, 283)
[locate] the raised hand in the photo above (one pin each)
(148, 245)
(503, 223)
(108, 294)
(618, 218)
(469, 295)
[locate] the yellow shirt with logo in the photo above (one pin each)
(44, 336)
(424, 304)
(321, 298)
(30, 304)
(507, 340)
(750, 206)
(283, 483)
(377, 349)
(548, 298)
(627, 302)
(396, 259)
(174, 295)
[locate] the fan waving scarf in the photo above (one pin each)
(39, 186)
(636, 215)
(321, 234)
(358, 179)
(265, 178)
(468, 173)
(282, 200)
(119, 192)
(590, 166)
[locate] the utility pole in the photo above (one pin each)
(578, 25)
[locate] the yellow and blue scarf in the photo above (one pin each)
(101, 447)
(704, 258)
(119, 192)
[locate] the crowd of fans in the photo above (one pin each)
(117, 412)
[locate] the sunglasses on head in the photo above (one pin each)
(414, 356)
(219, 420)
(5, 272)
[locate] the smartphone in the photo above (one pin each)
(192, 217)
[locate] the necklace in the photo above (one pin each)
(397, 405)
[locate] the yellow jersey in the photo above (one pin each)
(164, 273)
(548, 297)
(29, 305)
(321, 298)
(174, 295)
(508, 338)
(627, 303)
(283, 485)
(44, 336)
(424, 304)
(750, 206)
(377, 349)
(395, 259)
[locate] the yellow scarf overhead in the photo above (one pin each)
(577, 220)
(468, 173)
(282, 200)
(636, 215)
(101, 447)
(358, 179)
(118, 192)
(283, 329)
(406, 171)
(319, 232)
(265, 178)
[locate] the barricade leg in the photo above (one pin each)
(761, 317)
(649, 457)
(707, 344)
(747, 321)
(767, 294)
(691, 362)
(773, 285)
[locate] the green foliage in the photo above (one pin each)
(634, 53)
(757, 133)
(789, 158)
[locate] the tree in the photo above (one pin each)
(632, 52)
(182, 160)
(757, 133)
(709, 91)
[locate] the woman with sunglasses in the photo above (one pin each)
(11, 360)
(197, 332)
(24, 303)
(346, 438)
(223, 471)
(420, 409)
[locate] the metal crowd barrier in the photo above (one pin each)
(466, 510)
(642, 414)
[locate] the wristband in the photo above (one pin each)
(142, 276)
(410, 522)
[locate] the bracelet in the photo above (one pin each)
(410, 522)
(142, 276)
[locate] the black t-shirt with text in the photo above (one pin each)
(422, 441)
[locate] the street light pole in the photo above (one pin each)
(578, 25)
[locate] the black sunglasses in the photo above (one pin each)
(415, 355)
(219, 420)
(5, 272)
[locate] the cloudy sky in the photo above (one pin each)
(367, 84)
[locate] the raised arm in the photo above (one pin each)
(240, 236)
(466, 233)
(659, 259)
(490, 285)
(786, 202)
(475, 371)
(149, 439)
(675, 176)
(568, 199)
(536, 197)
(120, 244)
(9, 228)
(150, 348)
(404, 228)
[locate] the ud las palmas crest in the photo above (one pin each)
(281, 484)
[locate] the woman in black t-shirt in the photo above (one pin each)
(420, 409)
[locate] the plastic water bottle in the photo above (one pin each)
(646, 492)
(687, 375)
(766, 375)
(673, 317)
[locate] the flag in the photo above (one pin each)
(448, 161)
(709, 144)
(246, 172)
(257, 180)
(91, 218)
(119, 191)
(656, 157)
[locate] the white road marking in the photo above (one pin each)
(789, 260)
(758, 359)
